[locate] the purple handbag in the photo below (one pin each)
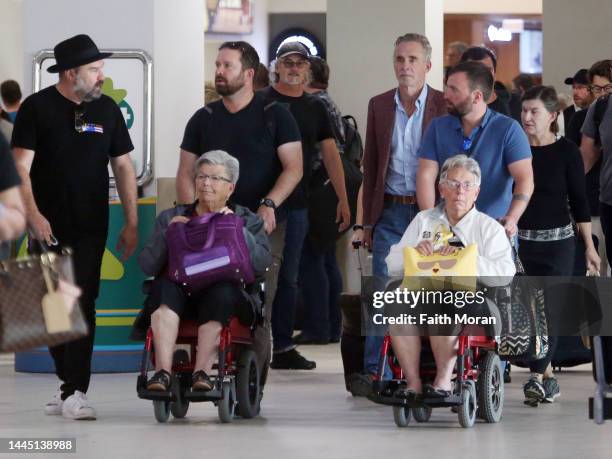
(208, 249)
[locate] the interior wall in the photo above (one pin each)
(258, 39)
(11, 43)
(571, 44)
(489, 7)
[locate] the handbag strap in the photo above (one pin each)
(520, 269)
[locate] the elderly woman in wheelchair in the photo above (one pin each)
(442, 231)
(216, 174)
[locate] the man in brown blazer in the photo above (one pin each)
(397, 120)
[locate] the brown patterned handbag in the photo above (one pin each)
(38, 302)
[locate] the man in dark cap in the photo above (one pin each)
(581, 93)
(292, 70)
(63, 139)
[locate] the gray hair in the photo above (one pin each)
(463, 161)
(220, 158)
(459, 46)
(418, 38)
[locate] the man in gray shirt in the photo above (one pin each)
(597, 139)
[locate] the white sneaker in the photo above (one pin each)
(54, 406)
(77, 407)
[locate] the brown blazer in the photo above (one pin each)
(377, 151)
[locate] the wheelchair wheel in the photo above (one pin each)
(467, 410)
(247, 384)
(181, 405)
(227, 404)
(421, 413)
(401, 416)
(161, 409)
(490, 388)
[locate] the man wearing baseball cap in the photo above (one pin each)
(63, 139)
(292, 70)
(582, 95)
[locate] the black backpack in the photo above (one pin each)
(352, 143)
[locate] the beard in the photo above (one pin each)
(85, 93)
(229, 88)
(461, 108)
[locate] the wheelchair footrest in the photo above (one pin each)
(156, 395)
(435, 402)
(201, 396)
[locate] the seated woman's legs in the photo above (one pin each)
(165, 325)
(444, 349)
(215, 306)
(407, 348)
(209, 335)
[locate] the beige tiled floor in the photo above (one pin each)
(304, 415)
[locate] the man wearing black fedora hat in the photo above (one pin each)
(63, 139)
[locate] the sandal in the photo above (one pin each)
(200, 381)
(407, 394)
(160, 381)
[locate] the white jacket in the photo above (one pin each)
(494, 251)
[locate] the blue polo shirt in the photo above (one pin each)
(496, 143)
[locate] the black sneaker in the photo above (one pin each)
(292, 360)
(551, 389)
(534, 392)
(361, 384)
(507, 376)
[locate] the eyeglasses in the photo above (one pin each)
(79, 123)
(212, 178)
(595, 89)
(288, 63)
(455, 185)
(444, 264)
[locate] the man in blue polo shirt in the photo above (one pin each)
(496, 141)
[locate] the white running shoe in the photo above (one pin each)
(77, 407)
(54, 406)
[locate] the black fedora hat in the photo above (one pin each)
(74, 52)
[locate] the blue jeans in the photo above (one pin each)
(388, 231)
(321, 286)
(284, 305)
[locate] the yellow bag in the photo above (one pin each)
(436, 272)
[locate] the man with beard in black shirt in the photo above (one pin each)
(292, 68)
(63, 138)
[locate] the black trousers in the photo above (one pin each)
(551, 258)
(73, 359)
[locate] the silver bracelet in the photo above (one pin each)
(2, 210)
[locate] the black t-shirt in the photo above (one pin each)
(500, 105)
(8, 174)
(315, 126)
(558, 175)
(251, 135)
(69, 173)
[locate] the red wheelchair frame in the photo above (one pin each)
(236, 382)
(478, 386)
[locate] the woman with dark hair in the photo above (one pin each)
(546, 235)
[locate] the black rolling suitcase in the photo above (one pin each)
(352, 343)
(600, 406)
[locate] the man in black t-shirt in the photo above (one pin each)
(12, 220)
(263, 137)
(292, 68)
(63, 138)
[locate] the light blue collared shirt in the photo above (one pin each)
(405, 143)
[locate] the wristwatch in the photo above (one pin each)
(268, 203)
(357, 227)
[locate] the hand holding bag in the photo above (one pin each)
(208, 249)
(38, 303)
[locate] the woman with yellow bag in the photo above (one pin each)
(454, 223)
